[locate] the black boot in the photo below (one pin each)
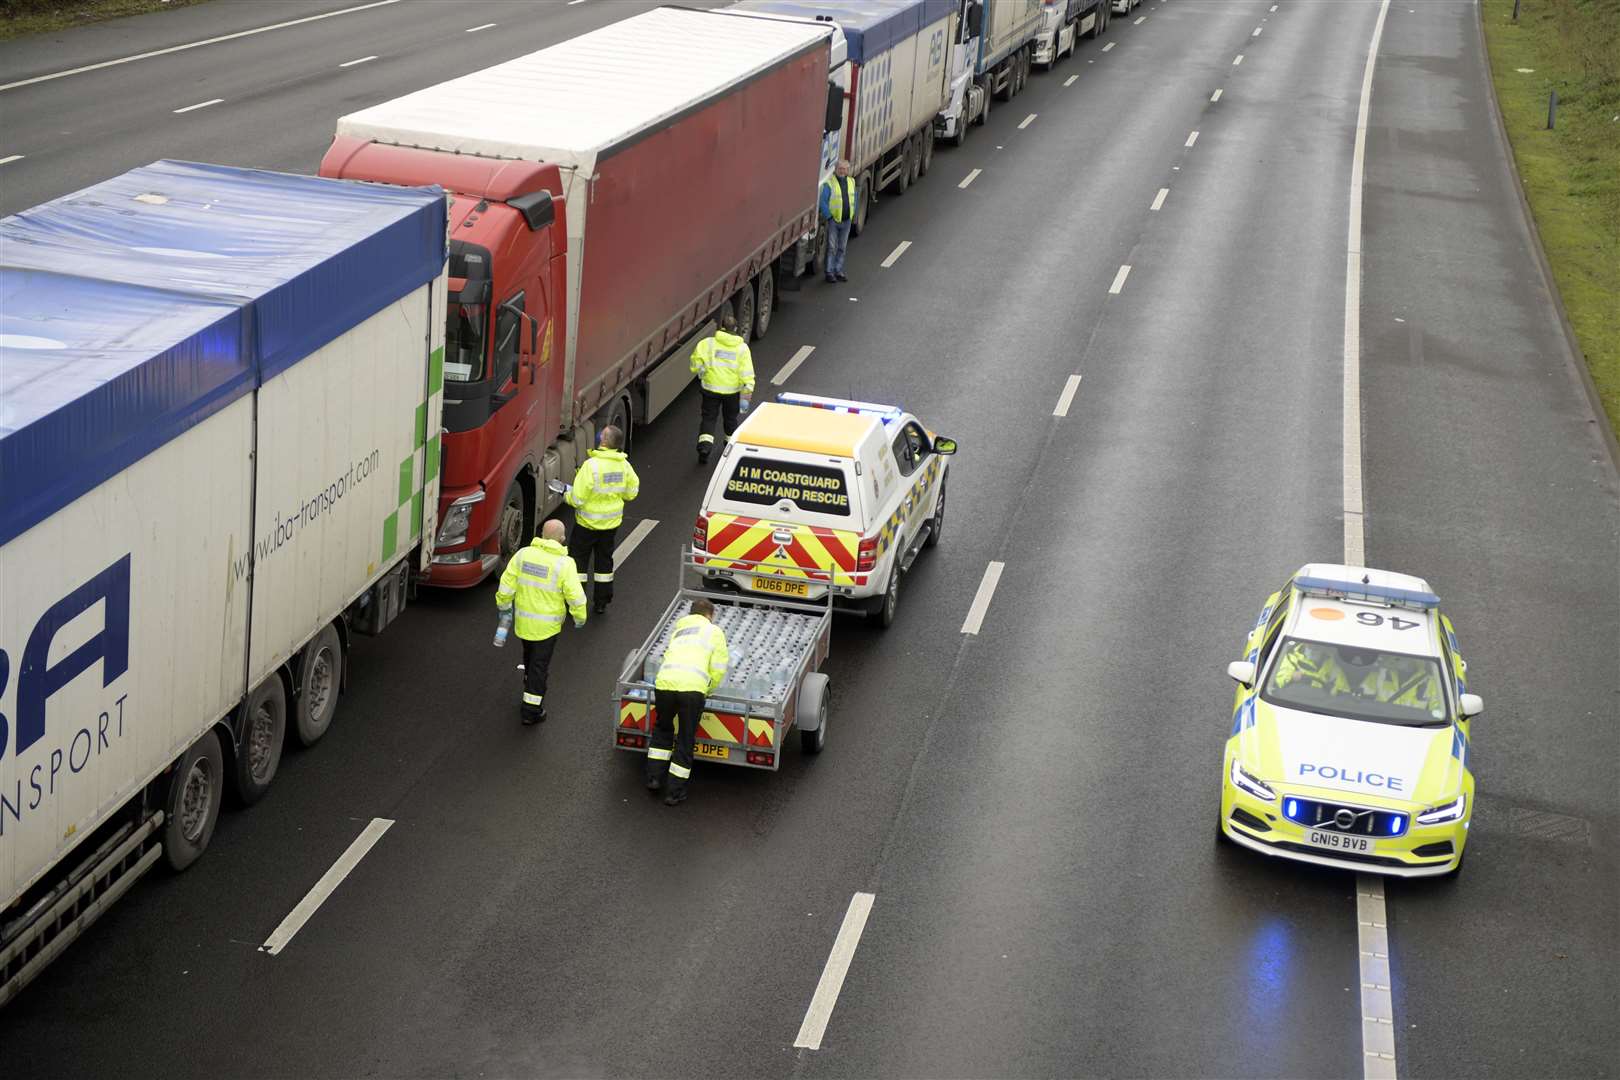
(654, 781)
(675, 795)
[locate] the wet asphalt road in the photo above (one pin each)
(1033, 806)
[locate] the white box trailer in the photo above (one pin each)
(219, 415)
(992, 45)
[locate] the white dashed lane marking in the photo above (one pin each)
(981, 599)
(1066, 398)
(792, 365)
(1119, 279)
(832, 975)
(969, 178)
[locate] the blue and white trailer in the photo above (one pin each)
(992, 48)
(894, 75)
(220, 399)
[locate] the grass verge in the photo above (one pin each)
(1571, 174)
(19, 18)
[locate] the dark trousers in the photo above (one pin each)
(668, 746)
(584, 546)
(725, 407)
(536, 665)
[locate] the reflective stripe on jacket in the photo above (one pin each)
(604, 483)
(696, 658)
(542, 585)
(724, 364)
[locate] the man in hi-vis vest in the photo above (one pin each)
(725, 371)
(839, 198)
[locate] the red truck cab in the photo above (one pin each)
(505, 329)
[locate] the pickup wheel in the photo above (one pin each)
(815, 694)
(192, 805)
(264, 731)
(743, 305)
(882, 616)
(765, 306)
(863, 203)
(925, 160)
(320, 676)
(938, 528)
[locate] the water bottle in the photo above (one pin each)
(503, 627)
(652, 666)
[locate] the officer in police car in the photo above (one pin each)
(693, 667)
(542, 586)
(725, 371)
(604, 483)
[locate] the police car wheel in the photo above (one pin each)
(192, 807)
(938, 528)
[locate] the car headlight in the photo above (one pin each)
(1253, 785)
(453, 529)
(1439, 815)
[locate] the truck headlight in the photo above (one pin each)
(1439, 815)
(453, 529)
(1251, 784)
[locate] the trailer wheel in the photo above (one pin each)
(264, 731)
(743, 304)
(863, 203)
(320, 678)
(815, 694)
(882, 616)
(765, 306)
(926, 160)
(902, 179)
(917, 156)
(192, 804)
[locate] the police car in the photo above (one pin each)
(816, 493)
(1350, 744)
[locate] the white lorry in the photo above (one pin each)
(1064, 23)
(219, 413)
(991, 46)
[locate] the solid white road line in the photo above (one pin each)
(832, 975)
(969, 178)
(475, 29)
(1066, 398)
(1070, 81)
(13, 157)
(1110, 45)
(362, 60)
(329, 882)
(1216, 96)
(633, 541)
(1192, 138)
(1238, 60)
(792, 365)
(192, 45)
(1028, 120)
(1257, 31)
(981, 599)
(1158, 200)
(1372, 922)
(199, 105)
(1119, 279)
(894, 256)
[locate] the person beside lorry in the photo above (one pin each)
(839, 195)
(725, 371)
(541, 586)
(693, 667)
(605, 482)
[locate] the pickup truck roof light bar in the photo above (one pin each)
(1334, 589)
(865, 408)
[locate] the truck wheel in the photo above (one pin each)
(926, 161)
(938, 529)
(882, 616)
(264, 731)
(765, 306)
(917, 155)
(191, 807)
(984, 114)
(319, 679)
(743, 305)
(513, 528)
(1100, 23)
(902, 179)
(814, 696)
(863, 201)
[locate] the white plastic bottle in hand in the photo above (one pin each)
(503, 627)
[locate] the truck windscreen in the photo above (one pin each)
(466, 337)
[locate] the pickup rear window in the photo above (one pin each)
(765, 481)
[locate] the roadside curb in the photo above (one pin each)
(1575, 356)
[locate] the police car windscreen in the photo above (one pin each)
(1363, 684)
(820, 488)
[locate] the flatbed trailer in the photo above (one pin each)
(773, 686)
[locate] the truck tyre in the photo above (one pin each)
(815, 694)
(1100, 23)
(917, 155)
(264, 732)
(320, 676)
(938, 528)
(882, 616)
(191, 807)
(765, 305)
(902, 179)
(984, 114)
(926, 160)
(513, 526)
(863, 203)
(743, 304)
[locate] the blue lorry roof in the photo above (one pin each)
(132, 310)
(871, 27)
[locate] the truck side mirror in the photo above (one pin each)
(835, 108)
(975, 20)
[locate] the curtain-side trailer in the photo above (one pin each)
(219, 401)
